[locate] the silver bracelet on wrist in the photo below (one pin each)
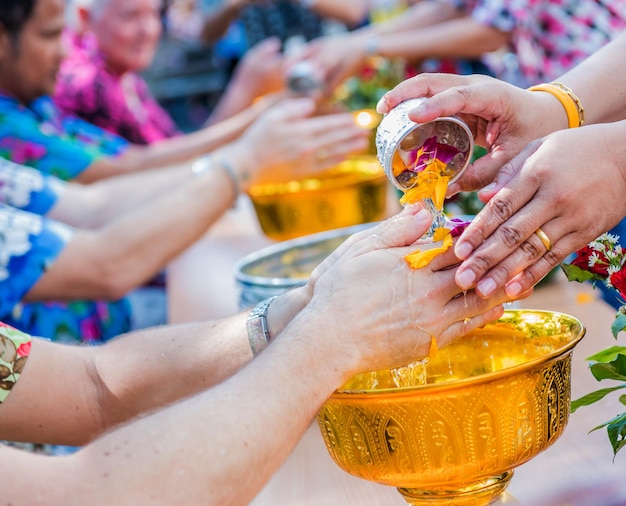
(206, 163)
(256, 324)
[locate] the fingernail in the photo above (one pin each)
(489, 188)
(381, 106)
(513, 289)
(465, 279)
(463, 250)
(486, 287)
(418, 109)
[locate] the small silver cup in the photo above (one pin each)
(400, 140)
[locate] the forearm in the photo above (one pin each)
(226, 445)
(424, 13)
(600, 83)
(169, 152)
(92, 206)
(96, 388)
(109, 262)
(458, 38)
(216, 23)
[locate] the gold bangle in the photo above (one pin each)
(570, 102)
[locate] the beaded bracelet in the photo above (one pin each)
(570, 102)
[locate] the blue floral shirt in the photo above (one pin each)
(29, 244)
(41, 136)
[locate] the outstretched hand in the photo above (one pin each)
(570, 184)
(384, 313)
(502, 117)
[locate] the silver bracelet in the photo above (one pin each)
(258, 330)
(206, 163)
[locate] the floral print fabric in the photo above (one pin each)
(29, 244)
(120, 104)
(548, 37)
(40, 136)
(14, 351)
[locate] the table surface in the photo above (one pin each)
(577, 470)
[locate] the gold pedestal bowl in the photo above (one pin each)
(351, 193)
(451, 429)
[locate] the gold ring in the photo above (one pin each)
(545, 240)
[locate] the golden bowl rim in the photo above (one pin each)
(482, 378)
(310, 192)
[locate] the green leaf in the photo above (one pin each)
(615, 370)
(592, 397)
(607, 354)
(575, 273)
(619, 324)
(622, 399)
(617, 433)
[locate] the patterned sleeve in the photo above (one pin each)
(42, 138)
(14, 351)
(30, 244)
(28, 189)
(500, 15)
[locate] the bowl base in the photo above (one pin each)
(476, 494)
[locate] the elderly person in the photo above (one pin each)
(114, 41)
(72, 254)
(545, 199)
(34, 132)
(543, 38)
(221, 440)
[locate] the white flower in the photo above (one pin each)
(17, 183)
(15, 232)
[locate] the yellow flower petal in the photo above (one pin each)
(433, 347)
(419, 258)
(440, 234)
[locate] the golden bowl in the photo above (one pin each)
(451, 429)
(351, 193)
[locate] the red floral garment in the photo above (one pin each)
(87, 88)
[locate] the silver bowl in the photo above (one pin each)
(288, 264)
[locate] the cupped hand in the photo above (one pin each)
(570, 184)
(378, 312)
(502, 117)
(287, 142)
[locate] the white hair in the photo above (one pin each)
(93, 6)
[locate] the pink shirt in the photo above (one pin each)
(120, 104)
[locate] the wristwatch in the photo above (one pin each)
(258, 330)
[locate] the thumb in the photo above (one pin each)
(404, 229)
(507, 172)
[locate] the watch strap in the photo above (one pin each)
(258, 329)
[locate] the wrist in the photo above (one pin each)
(285, 308)
(211, 163)
(239, 157)
(259, 335)
(571, 105)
